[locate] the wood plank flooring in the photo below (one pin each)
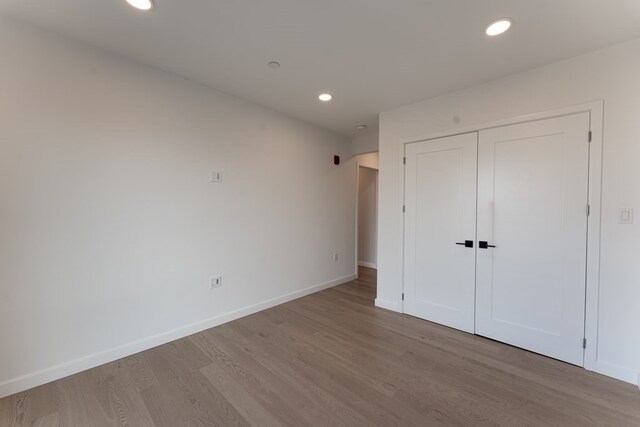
(329, 359)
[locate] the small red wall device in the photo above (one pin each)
(336, 160)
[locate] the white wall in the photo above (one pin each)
(611, 75)
(367, 217)
(109, 226)
(365, 142)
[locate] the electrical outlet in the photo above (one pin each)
(335, 257)
(216, 176)
(215, 282)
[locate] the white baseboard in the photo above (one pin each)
(389, 305)
(367, 264)
(621, 373)
(53, 373)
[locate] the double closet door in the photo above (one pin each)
(496, 233)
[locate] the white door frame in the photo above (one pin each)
(596, 110)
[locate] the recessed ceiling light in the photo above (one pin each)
(361, 127)
(498, 27)
(141, 4)
(274, 64)
(324, 97)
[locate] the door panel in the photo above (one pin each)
(532, 198)
(440, 204)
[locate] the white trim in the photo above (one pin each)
(53, 373)
(402, 184)
(621, 373)
(596, 110)
(367, 264)
(575, 109)
(593, 237)
(357, 233)
(388, 305)
(377, 203)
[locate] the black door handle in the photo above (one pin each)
(482, 244)
(466, 244)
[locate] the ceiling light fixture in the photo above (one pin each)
(325, 97)
(360, 128)
(141, 4)
(274, 64)
(498, 27)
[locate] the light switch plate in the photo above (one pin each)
(215, 282)
(625, 216)
(216, 176)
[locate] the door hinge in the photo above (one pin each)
(590, 136)
(404, 160)
(588, 210)
(404, 208)
(403, 296)
(584, 343)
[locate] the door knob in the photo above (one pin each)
(466, 244)
(482, 244)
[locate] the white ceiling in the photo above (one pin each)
(372, 55)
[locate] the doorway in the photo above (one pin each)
(367, 217)
(367, 214)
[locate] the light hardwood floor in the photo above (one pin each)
(331, 358)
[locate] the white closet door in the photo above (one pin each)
(440, 202)
(532, 200)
